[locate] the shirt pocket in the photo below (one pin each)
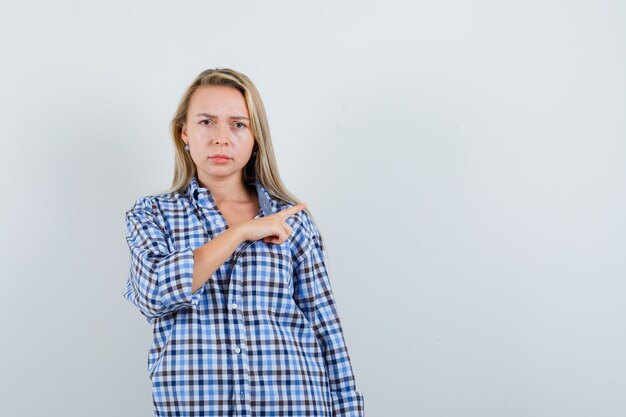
(162, 329)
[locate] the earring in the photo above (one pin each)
(187, 147)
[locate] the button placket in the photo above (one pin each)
(236, 312)
(238, 332)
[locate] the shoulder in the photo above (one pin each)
(301, 222)
(154, 207)
(306, 234)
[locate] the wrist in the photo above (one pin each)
(238, 232)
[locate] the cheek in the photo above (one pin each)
(246, 141)
(194, 134)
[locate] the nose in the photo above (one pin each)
(223, 134)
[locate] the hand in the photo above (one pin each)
(272, 228)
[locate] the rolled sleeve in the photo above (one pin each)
(159, 280)
(314, 296)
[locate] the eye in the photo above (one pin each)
(240, 125)
(205, 120)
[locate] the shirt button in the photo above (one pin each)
(237, 349)
(195, 302)
(234, 306)
(242, 394)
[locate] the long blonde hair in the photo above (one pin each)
(262, 166)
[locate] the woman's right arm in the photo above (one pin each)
(210, 256)
(160, 280)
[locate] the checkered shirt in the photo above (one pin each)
(261, 337)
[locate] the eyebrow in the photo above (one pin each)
(215, 117)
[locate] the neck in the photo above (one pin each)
(225, 189)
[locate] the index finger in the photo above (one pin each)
(290, 211)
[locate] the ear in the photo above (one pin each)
(183, 133)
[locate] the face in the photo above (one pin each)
(218, 124)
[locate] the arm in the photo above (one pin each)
(161, 281)
(210, 256)
(314, 296)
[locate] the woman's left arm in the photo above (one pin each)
(314, 296)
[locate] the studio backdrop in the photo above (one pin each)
(464, 162)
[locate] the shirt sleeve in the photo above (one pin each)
(159, 280)
(314, 296)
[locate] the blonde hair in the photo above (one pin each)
(261, 167)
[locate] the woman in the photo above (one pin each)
(229, 268)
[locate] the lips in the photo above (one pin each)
(220, 159)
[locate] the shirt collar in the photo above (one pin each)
(197, 193)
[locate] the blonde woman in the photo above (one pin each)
(229, 268)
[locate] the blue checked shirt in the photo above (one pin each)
(262, 336)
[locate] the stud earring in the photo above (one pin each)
(187, 147)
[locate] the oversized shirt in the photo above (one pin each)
(260, 338)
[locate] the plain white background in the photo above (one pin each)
(465, 162)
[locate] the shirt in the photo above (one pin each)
(260, 338)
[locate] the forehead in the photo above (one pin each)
(217, 100)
